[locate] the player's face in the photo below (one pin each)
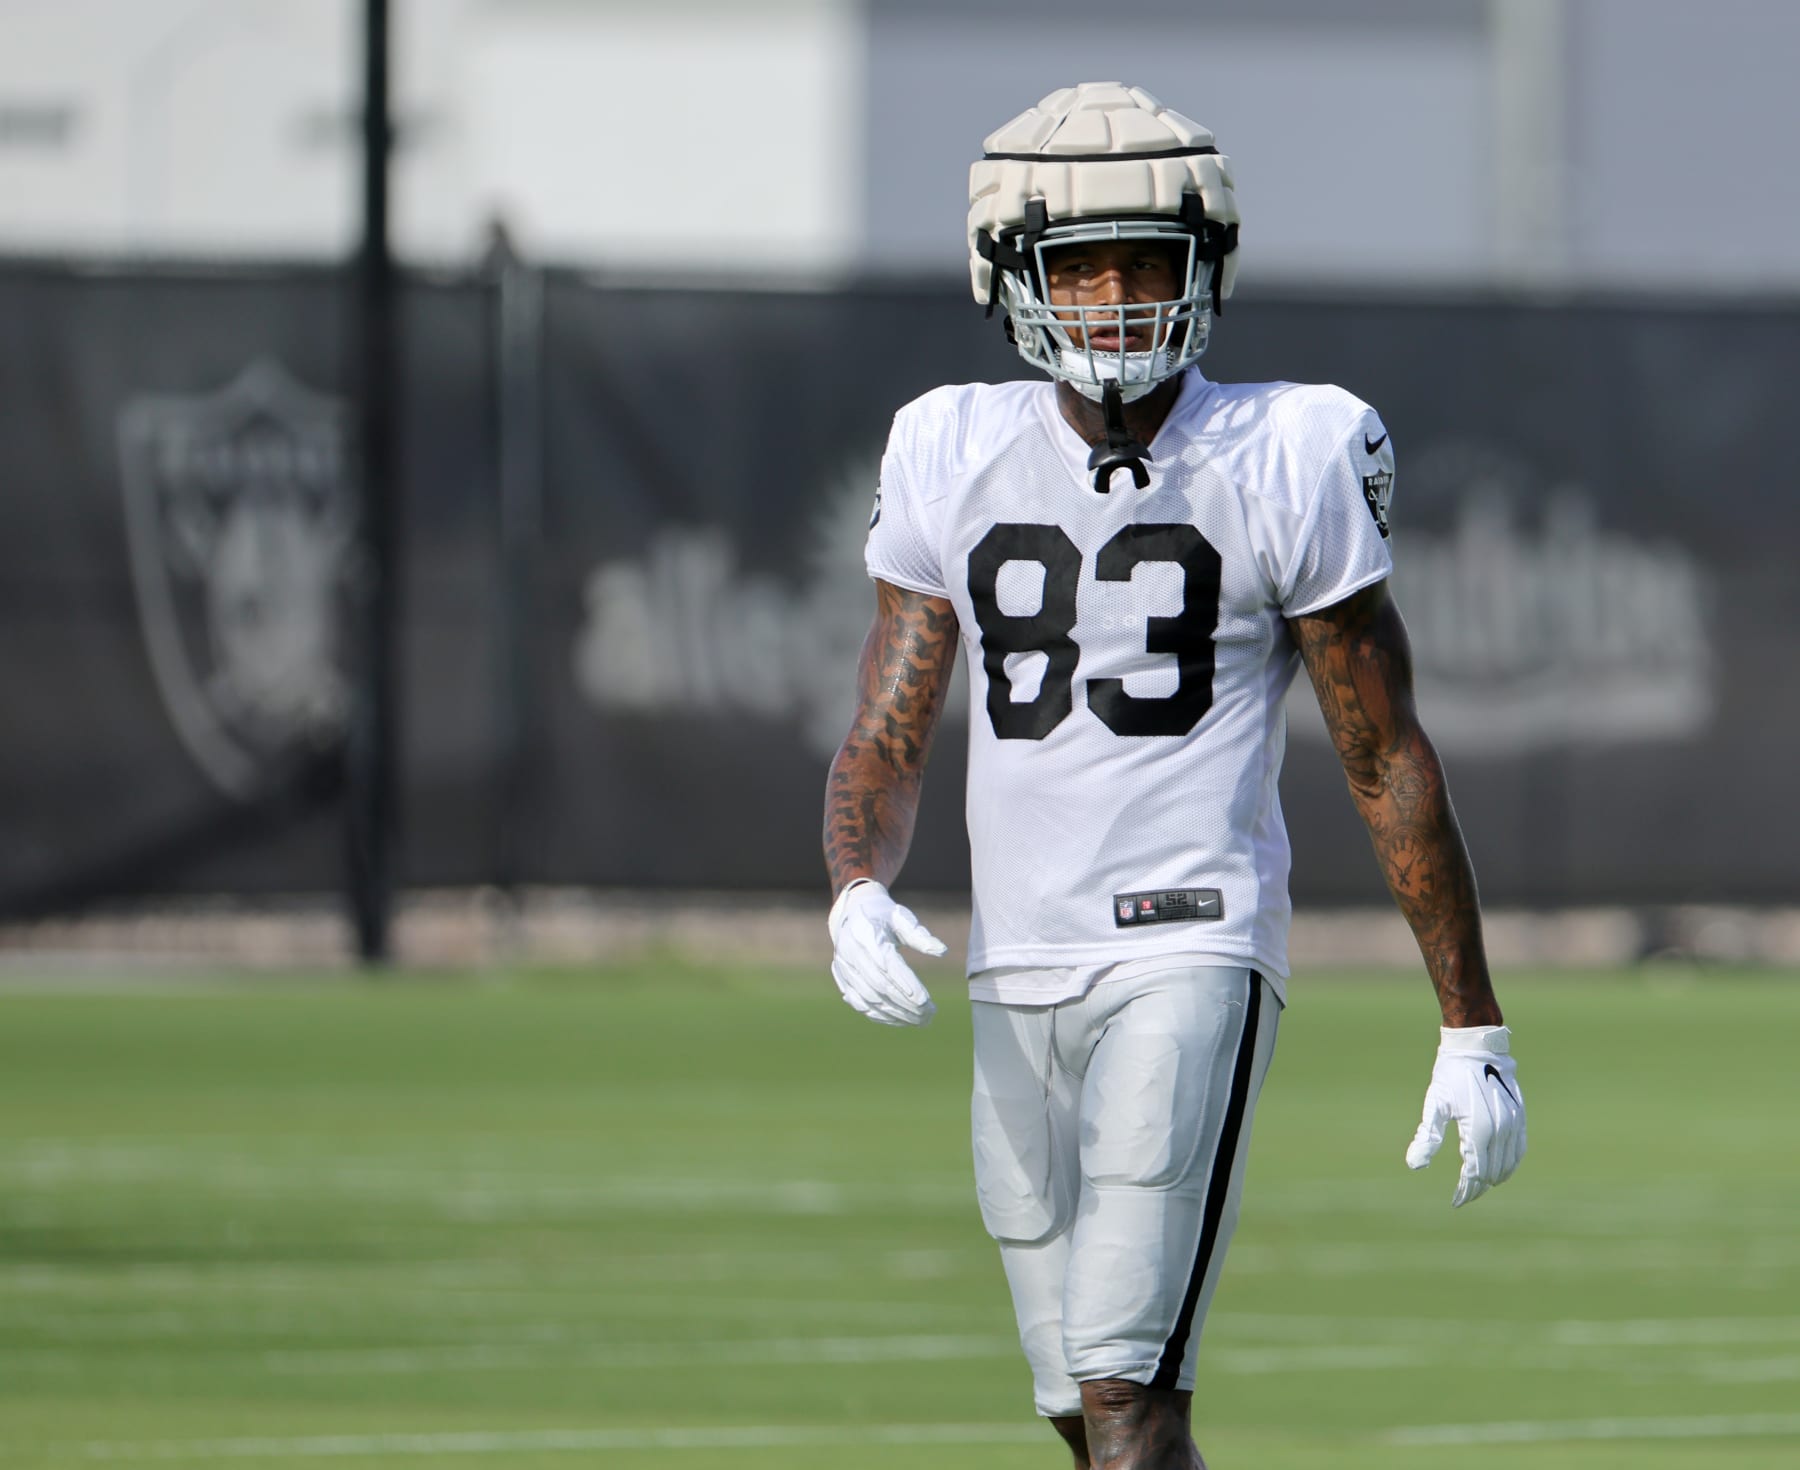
(1114, 273)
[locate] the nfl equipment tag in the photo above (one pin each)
(1166, 906)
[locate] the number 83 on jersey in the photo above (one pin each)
(1049, 631)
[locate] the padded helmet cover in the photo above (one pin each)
(1089, 152)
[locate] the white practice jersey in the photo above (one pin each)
(1128, 655)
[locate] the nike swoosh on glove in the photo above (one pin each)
(1475, 1084)
(867, 930)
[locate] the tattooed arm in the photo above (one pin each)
(1361, 666)
(872, 795)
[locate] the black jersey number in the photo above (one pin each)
(1045, 631)
(1188, 635)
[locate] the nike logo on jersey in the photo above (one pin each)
(1370, 446)
(1490, 1070)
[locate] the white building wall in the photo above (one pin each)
(1380, 141)
(691, 134)
(193, 125)
(675, 136)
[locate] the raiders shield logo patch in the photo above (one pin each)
(875, 514)
(239, 516)
(1377, 490)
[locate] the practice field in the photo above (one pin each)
(675, 1218)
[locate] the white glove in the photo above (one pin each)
(866, 961)
(1474, 1082)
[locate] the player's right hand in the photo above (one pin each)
(867, 929)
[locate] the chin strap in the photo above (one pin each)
(1122, 450)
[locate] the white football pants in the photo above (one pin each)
(1110, 1137)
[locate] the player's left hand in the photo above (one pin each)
(1474, 1084)
(867, 930)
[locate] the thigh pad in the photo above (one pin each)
(1022, 1122)
(1157, 1085)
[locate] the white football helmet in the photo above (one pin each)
(1101, 161)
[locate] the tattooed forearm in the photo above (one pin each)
(1361, 667)
(872, 794)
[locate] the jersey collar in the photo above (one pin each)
(1195, 389)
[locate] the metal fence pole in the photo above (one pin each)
(371, 755)
(518, 353)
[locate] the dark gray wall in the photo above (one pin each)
(1593, 529)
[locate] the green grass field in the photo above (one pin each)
(677, 1218)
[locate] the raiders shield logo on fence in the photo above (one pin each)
(240, 523)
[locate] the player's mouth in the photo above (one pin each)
(1137, 339)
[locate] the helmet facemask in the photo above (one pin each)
(1059, 339)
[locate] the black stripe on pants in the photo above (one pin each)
(1218, 1190)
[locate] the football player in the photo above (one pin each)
(1137, 560)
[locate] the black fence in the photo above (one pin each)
(633, 592)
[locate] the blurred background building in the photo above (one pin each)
(1546, 143)
(669, 270)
